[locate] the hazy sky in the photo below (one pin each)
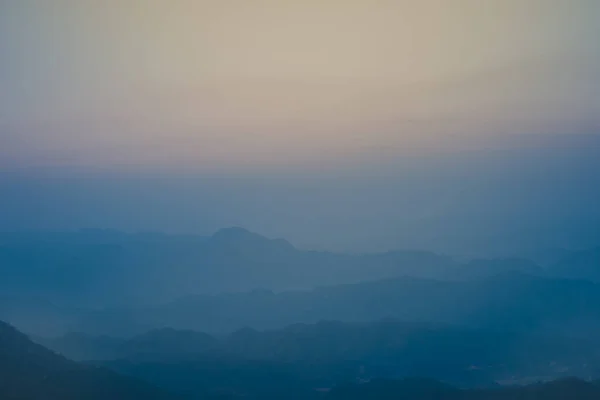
(339, 123)
(236, 84)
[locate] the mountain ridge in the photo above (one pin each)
(29, 371)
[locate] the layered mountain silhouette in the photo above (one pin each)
(238, 315)
(308, 356)
(510, 300)
(105, 268)
(446, 352)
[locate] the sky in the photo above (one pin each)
(281, 98)
(237, 84)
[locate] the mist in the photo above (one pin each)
(304, 200)
(494, 200)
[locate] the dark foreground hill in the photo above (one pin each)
(29, 371)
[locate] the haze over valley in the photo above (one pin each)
(299, 199)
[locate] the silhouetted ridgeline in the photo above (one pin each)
(237, 316)
(335, 351)
(28, 371)
(510, 301)
(103, 268)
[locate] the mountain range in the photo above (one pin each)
(510, 300)
(305, 362)
(106, 268)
